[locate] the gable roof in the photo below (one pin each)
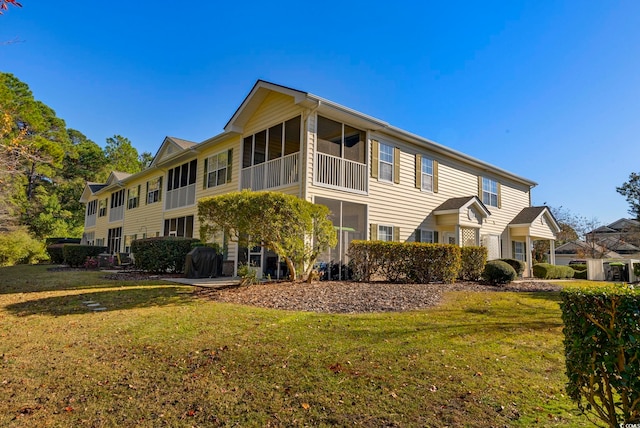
(170, 147)
(453, 205)
(529, 215)
(624, 224)
(304, 99)
(572, 247)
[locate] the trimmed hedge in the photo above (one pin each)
(405, 262)
(517, 265)
(473, 260)
(548, 271)
(75, 255)
(163, 254)
(56, 256)
(578, 266)
(498, 272)
(602, 351)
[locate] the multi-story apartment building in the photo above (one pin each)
(379, 181)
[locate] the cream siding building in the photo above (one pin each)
(380, 182)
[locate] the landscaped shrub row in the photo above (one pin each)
(163, 254)
(76, 255)
(602, 350)
(548, 271)
(414, 262)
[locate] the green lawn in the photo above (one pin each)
(160, 357)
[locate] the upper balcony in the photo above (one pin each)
(339, 173)
(278, 172)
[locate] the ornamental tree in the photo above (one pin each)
(295, 229)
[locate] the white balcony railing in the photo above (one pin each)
(90, 220)
(116, 213)
(274, 173)
(339, 173)
(181, 197)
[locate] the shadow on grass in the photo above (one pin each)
(127, 298)
(36, 279)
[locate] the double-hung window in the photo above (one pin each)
(154, 188)
(386, 162)
(425, 235)
(519, 252)
(133, 197)
(426, 175)
(385, 233)
(490, 192)
(102, 207)
(218, 169)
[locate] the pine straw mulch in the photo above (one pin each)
(353, 297)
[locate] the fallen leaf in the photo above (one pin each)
(68, 409)
(306, 406)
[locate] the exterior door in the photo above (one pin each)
(255, 259)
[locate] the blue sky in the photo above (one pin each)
(549, 90)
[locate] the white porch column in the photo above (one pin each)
(552, 251)
(529, 253)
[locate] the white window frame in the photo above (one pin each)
(489, 192)
(153, 194)
(133, 197)
(427, 236)
(385, 158)
(217, 170)
(426, 173)
(385, 233)
(520, 255)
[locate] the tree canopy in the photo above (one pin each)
(44, 166)
(631, 191)
(295, 229)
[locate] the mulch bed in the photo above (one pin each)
(353, 297)
(344, 297)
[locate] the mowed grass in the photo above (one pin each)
(158, 356)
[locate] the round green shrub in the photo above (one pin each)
(517, 265)
(498, 272)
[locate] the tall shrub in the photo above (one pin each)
(161, 255)
(472, 263)
(602, 351)
(19, 247)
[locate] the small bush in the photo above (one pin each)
(472, 263)
(160, 255)
(517, 265)
(248, 274)
(636, 269)
(498, 272)
(75, 255)
(578, 266)
(18, 247)
(602, 350)
(580, 274)
(548, 271)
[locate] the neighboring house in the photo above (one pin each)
(380, 182)
(580, 250)
(621, 236)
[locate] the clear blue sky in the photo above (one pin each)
(549, 90)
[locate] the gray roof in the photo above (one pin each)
(528, 215)
(185, 144)
(455, 203)
(94, 187)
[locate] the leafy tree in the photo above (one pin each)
(145, 159)
(121, 155)
(4, 4)
(631, 191)
(295, 229)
